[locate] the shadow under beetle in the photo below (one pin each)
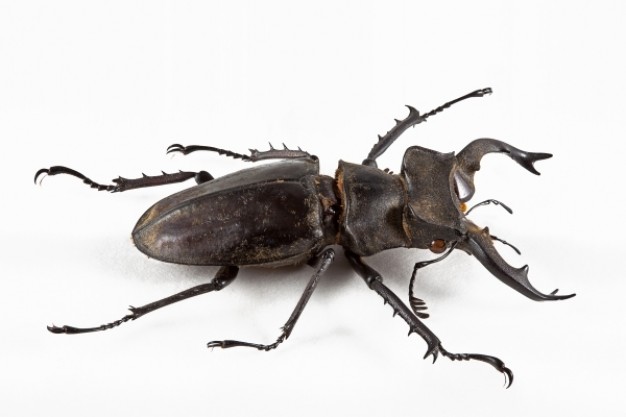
(287, 213)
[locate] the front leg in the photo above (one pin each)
(374, 281)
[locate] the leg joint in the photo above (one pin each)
(371, 279)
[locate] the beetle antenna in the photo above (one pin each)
(418, 305)
(412, 119)
(477, 93)
(504, 242)
(490, 201)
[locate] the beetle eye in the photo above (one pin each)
(437, 246)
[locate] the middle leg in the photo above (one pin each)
(320, 263)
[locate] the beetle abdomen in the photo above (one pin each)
(277, 222)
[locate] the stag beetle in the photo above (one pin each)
(287, 213)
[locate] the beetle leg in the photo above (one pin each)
(374, 281)
(255, 155)
(322, 262)
(225, 275)
(125, 184)
(412, 119)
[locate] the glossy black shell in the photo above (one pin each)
(266, 215)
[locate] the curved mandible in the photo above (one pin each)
(479, 243)
(469, 160)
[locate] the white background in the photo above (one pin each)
(104, 87)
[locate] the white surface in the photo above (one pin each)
(105, 87)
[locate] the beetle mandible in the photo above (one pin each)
(287, 213)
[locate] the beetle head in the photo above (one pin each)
(433, 218)
(437, 186)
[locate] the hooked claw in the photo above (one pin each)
(57, 329)
(216, 343)
(495, 362)
(68, 329)
(176, 147)
(491, 360)
(435, 348)
(57, 169)
(45, 171)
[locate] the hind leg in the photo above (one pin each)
(125, 184)
(223, 277)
